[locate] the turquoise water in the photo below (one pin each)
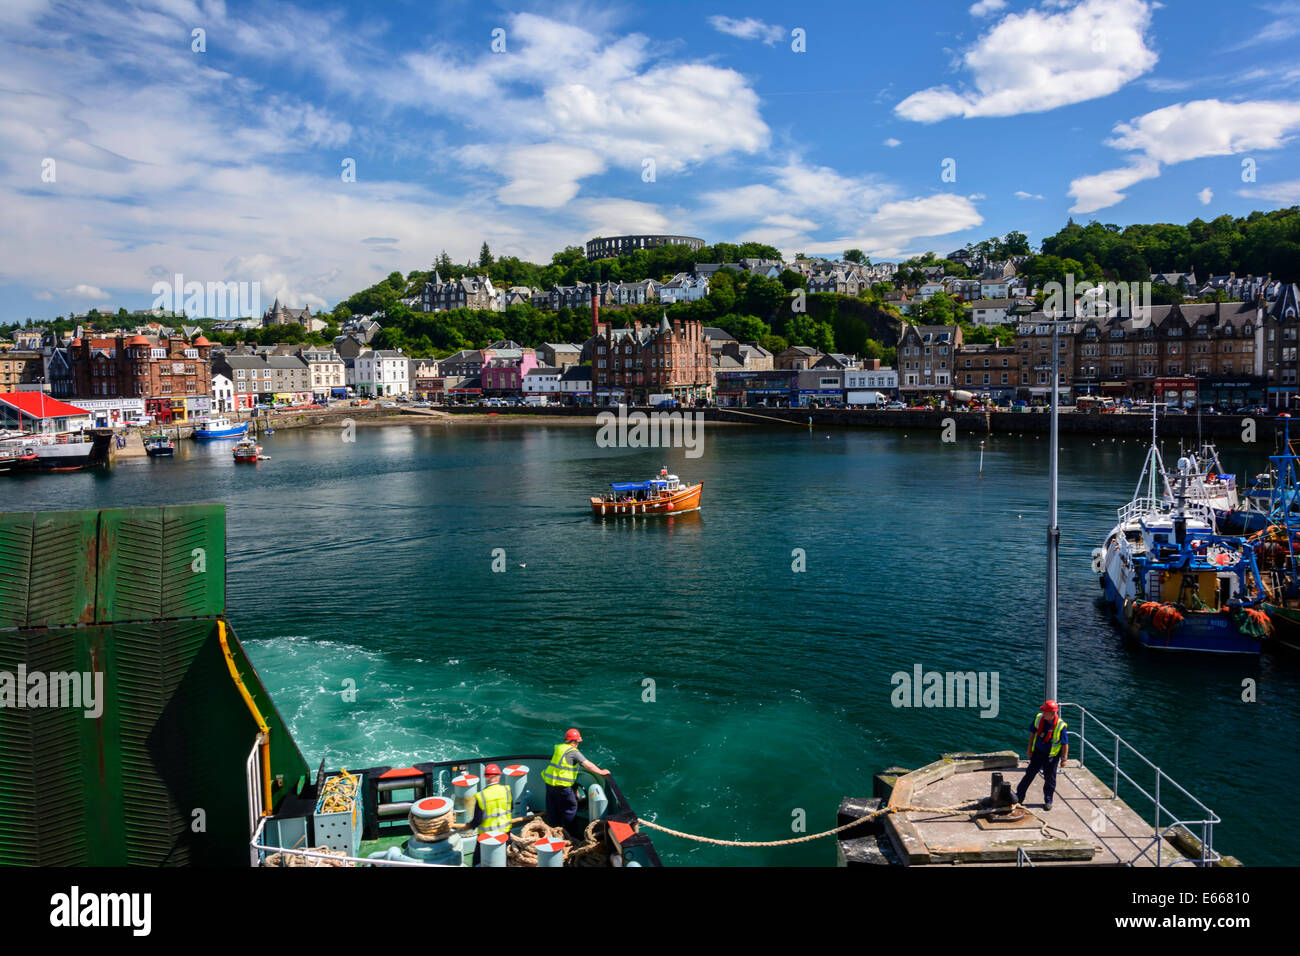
(371, 562)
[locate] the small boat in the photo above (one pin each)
(64, 451)
(247, 450)
(15, 455)
(159, 446)
(220, 428)
(1174, 582)
(1277, 547)
(1210, 484)
(663, 495)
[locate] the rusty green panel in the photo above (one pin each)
(130, 564)
(62, 575)
(15, 566)
(194, 561)
(44, 791)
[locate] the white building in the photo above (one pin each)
(991, 311)
(326, 371)
(381, 373)
(995, 288)
(859, 381)
(543, 382)
(683, 288)
(223, 394)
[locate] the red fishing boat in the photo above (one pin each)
(248, 451)
(663, 495)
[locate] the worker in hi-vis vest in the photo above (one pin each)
(1049, 748)
(492, 807)
(561, 778)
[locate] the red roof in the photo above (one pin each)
(39, 405)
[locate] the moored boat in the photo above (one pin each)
(15, 454)
(247, 450)
(1173, 582)
(662, 495)
(220, 428)
(64, 451)
(159, 446)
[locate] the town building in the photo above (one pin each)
(327, 375)
(559, 355)
(608, 247)
(173, 375)
(38, 413)
(381, 373)
(988, 369)
(542, 383)
(633, 364)
(871, 377)
(926, 354)
(575, 385)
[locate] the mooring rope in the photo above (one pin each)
(964, 808)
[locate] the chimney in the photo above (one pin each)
(595, 307)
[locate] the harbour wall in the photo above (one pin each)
(1002, 422)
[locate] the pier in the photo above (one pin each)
(957, 809)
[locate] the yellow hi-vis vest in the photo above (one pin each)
(557, 772)
(1056, 734)
(495, 802)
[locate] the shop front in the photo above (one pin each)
(1177, 393)
(1227, 393)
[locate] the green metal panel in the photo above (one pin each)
(162, 563)
(130, 564)
(61, 589)
(194, 561)
(15, 566)
(157, 778)
(43, 786)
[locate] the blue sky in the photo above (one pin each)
(226, 164)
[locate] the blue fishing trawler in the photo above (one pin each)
(220, 428)
(1173, 581)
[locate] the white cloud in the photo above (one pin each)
(167, 165)
(1103, 189)
(1206, 195)
(1183, 132)
(1201, 128)
(545, 176)
(985, 7)
(1021, 194)
(891, 142)
(801, 204)
(1286, 194)
(1045, 58)
(748, 29)
(83, 291)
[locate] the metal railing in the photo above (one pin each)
(1166, 820)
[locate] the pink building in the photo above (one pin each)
(504, 366)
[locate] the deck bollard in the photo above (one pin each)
(492, 849)
(550, 852)
(465, 787)
(517, 776)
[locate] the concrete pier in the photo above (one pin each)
(1087, 825)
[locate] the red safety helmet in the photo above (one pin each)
(571, 735)
(1050, 707)
(492, 770)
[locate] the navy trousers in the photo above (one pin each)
(561, 806)
(1039, 760)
